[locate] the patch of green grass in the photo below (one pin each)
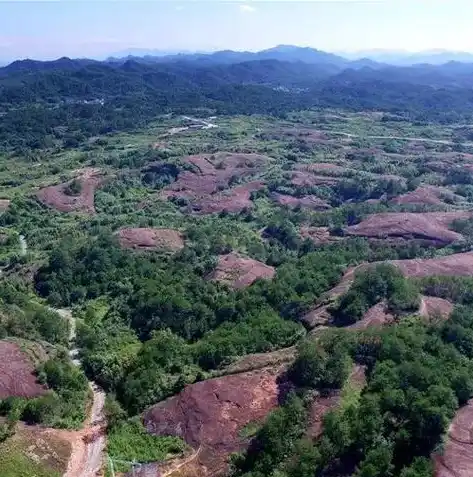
(250, 430)
(129, 442)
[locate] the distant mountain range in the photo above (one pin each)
(304, 54)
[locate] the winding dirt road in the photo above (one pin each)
(87, 444)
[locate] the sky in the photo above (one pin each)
(48, 30)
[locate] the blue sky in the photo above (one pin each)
(84, 28)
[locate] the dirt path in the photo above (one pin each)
(400, 138)
(87, 444)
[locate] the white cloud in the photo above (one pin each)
(179, 8)
(245, 8)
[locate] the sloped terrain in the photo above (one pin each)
(239, 272)
(432, 307)
(210, 415)
(309, 201)
(431, 227)
(457, 265)
(57, 196)
(427, 195)
(151, 239)
(17, 373)
(457, 457)
(202, 185)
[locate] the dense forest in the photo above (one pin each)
(74, 99)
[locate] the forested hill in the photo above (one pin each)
(89, 97)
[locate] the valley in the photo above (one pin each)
(223, 291)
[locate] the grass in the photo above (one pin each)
(33, 454)
(129, 442)
(250, 430)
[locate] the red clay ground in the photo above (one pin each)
(239, 272)
(319, 235)
(377, 316)
(322, 405)
(457, 457)
(432, 307)
(430, 227)
(56, 198)
(233, 200)
(459, 264)
(427, 195)
(309, 201)
(211, 414)
(151, 239)
(324, 168)
(17, 373)
(4, 205)
(308, 179)
(213, 173)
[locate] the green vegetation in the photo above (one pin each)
(128, 441)
(150, 322)
(383, 282)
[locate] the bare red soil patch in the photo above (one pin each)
(309, 201)
(233, 200)
(203, 186)
(432, 307)
(324, 168)
(239, 272)
(428, 195)
(457, 457)
(319, 235)
(458, 265)
(210, 415)
(17, 373)
(324, 404)
(307, 178)
(430, 227)
(4, 205)
(57, 198)
(377, 316)
(151, 239)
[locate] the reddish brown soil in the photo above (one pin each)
(203, 186)
(377, 316)
(459, 264)
(324, 168)
(56, 198)
(319, 235)
(306, 178)
(4, 205)
(322, 405)
(309, 201)
(233, 200)
(428, 195)
(150, 239)
(432, 307)
(457, 457)
(210, 415)
(17, 373)
(320, 315)
(431, 226)
(239, 272)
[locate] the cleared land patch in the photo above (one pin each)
(76, 195)
(17, 373)
(203, 185)
(430, 227)
(211, 414)
(151, 239)
(239, 272)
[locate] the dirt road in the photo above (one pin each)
(88, 444)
